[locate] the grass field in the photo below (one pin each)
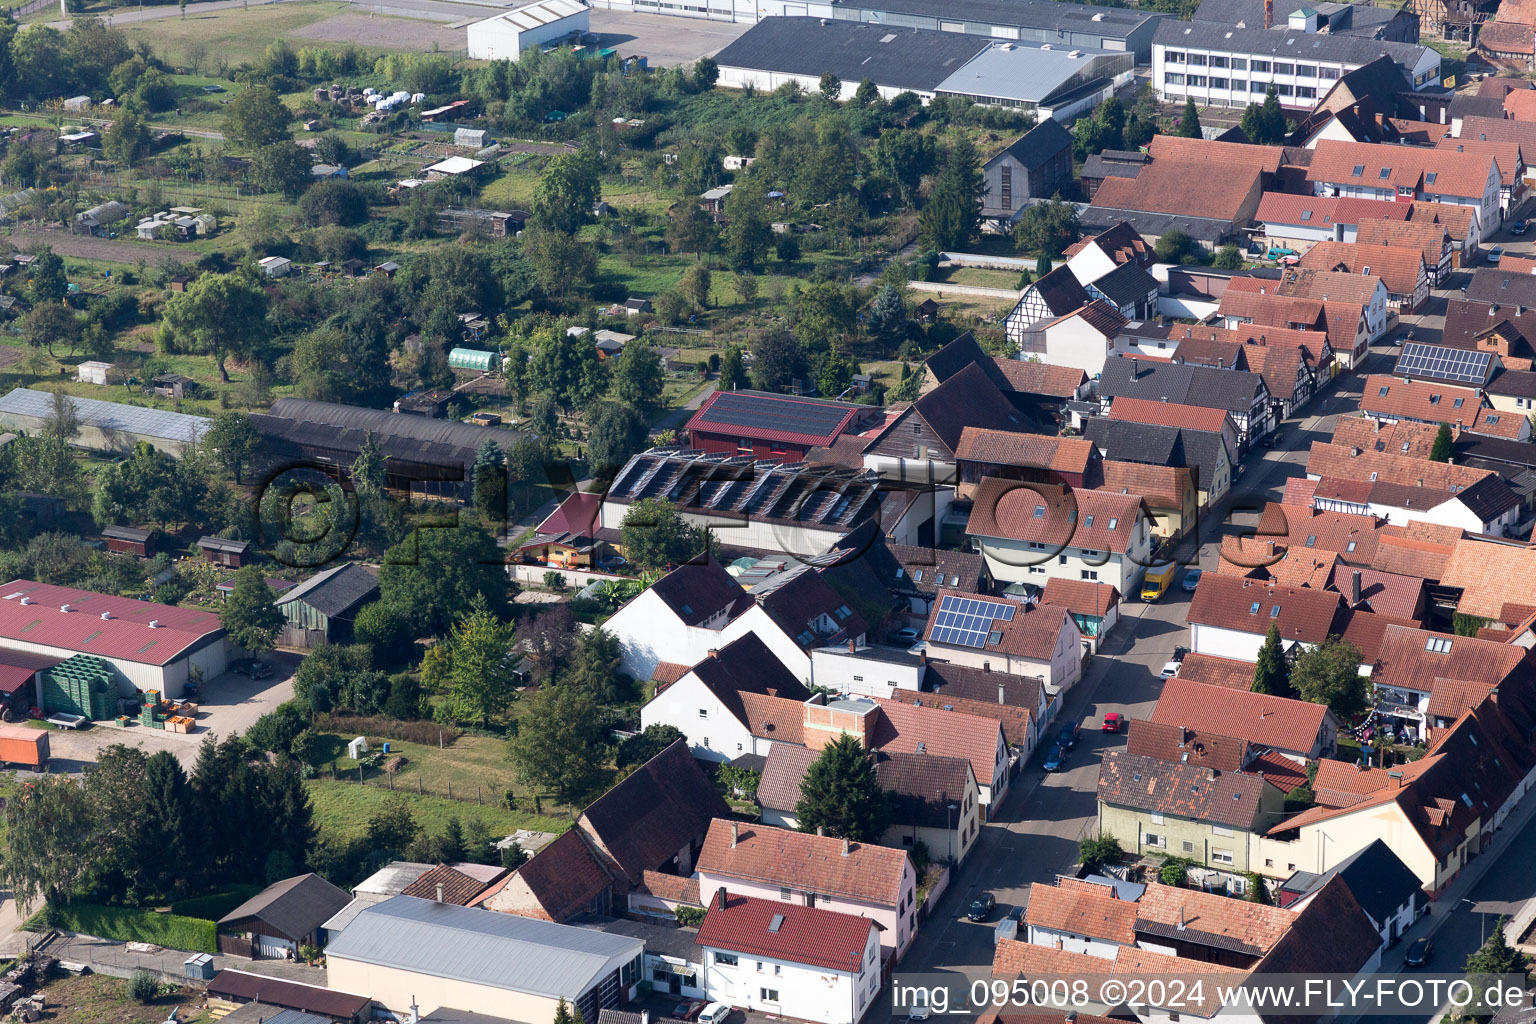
(131, 924)
(100, 999)
(342, 810)
(981, 277)
(234, 34)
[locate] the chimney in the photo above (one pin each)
(645, 1017)
(714, 653)
(1000, 698)
(415, 1016)
(63, 607)
(720, 898)
(1181, 908)
(1135, 367)
(845, 846)
(734, 835)
(106, 615)
(1354, 587)
(853, 646)
(26, 600)
(1269, 13)
(439, 892)
(1397, 779)
(154, 623)
(821, 830)
(986, 666)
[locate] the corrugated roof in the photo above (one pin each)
(125, 635)
(109, 416)
(899, 58)
(504, 951)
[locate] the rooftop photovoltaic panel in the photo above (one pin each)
(965, 621)
(771, 412)
(1441, 362)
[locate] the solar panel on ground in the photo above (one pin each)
(966, 621)
(1441, 362)
(767, 412)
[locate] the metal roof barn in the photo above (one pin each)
(105, 426)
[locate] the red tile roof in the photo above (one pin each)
(1098, 314)
(1457, 219)
(1161, 487)
(1464, 175)
(126, 634)
(786, 931)
(1520, 105)
(1163, 187)
(1031, 633)
(1223, 154)
(1013, 719)
(1401, 269)
(1385, 593)
(1169, 414)
(1417, 549)
(1434, 402)
(1006, 448)
(1216, 671)
(774, 718)
(1252, 606)
(564, 878)
(1080, 597)
(1163, 742)
(1429, 238)
(1188, 791)
(1404, 437)
(458, 888)
(1279, 723)
(1097, 915)
(1508, 154)
(670, 887)
(577, 514)
(1053, 515)
(799, 860)
(1322, 211)
(1360, 464)
(1028, 378)
(902, 728)
(1491, 575)
(1313, 284)
(1211, 919)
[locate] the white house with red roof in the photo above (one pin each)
(149, 646)
(789, 961)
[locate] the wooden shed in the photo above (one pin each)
(223, 551)
(282, 917)
(129, 540)
(320, 610)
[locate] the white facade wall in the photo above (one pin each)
(713, 733)
(1244, 78)
(1487, 206)
(1053, 939)
(649, 632)
(1075, 343)
(788, 538)
(1014, 561)
(1224, 643)
(498, 39)
(1060, 673)
(837, 670)
(134, 676)
(897, 921)
(767, 81)
(799, 991)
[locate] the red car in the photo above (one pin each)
(1114, 721)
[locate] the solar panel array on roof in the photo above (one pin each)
(769, 412)
(966, 622)
(1441, 362)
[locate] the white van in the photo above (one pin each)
(715, 1013)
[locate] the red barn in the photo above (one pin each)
(768, 426)
(129, 540)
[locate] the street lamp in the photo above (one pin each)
(1482, 922)
(949, 809)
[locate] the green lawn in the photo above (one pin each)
(132, 924)
(234, 34)
(342, 810)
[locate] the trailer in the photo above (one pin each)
(20, 745)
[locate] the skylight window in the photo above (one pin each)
(1383, 390)
(1254, 608)
(1274, 612)
(1039, 511)
(1386, 172)
(1113, 522)
(1311, 540)
(1438, 645)
(1306, 215)
(1434, 399)
(1429, 178)
(995, 637)
(1088, 521)
(1457, 404)
(1359, 170)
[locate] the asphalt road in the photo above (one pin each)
(1034, 835)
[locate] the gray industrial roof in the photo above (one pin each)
(336, 591)
(92, 412)
(1209, 35)
(420, 428)
(483, 947)
(392, 877)
(1110, 22)
(899, 58)
(1019, 71)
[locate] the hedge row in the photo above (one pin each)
(215, 905)
(130, 924)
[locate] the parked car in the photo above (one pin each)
(1067, 738)
(1055, 760)
(1008, 927)
(1114, 721)
(715, 1013)
(1169, 670)
(251, 667)
(1192, 579)
(688, 1009)
(981, 907)
(1279, 252)
(1272, 438)
(920, 1009)
(1178, 654)
(1517, 228)
(1495, 254)
(1418, 953)
(906, 635)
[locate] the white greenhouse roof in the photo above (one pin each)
(92, 412)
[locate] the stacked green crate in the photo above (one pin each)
(148, 715)
(82, 685)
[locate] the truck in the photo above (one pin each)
(1157, 580)
(20, 745)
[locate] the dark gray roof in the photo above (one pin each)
(1038, 145)
(130, 533)
(1094, 219)
(1341, 19)
(1488, 499)
(1206, 386)
(504, 951)
(382, 422)
(244, 987)
(234, 547)
(902, 58)
(294, 907)
(336, 591)
(1514, 383)
(1061, 291)
(1506, 287)
(1156, 445)
(1110, 164)
(1284, 43)
(1465, 105)
(1126, 284)
(1378, 880)
(661, 939)
(1109, 22)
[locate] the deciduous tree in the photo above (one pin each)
(250, 614)
(1330, 674)
(222, 315)
(562, 742)
(256, 117)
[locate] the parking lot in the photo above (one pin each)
(664, 39)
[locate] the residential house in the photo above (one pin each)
(706, 704)
(866, 670)
(1296, 729)
(1030, 458)
(934, 799)
(1204, 454)
(1357, 291)
(281, 918)
(1299, 222)
(1057, 320)
(796, 868)
(1388, 892)
(1513, 391)
(1291, 363)
(796, 961)
(1081, 339)
(1497, 315)
(1185, 810)
(1404, 173)
(1238, 392)
(1171, 493)
(1432, 240)
(1230, 615)
(922, 571)
(321, 610)
(567, 537)
(918, 444)
(1079, 916)
(650, 822)
(1005, 636)
(1513, 187)
(1389, 399)
(1029, 533)
(1425, 680)
(1093, 605)
(1401, 268)
(1034, 166)
(1039, 390)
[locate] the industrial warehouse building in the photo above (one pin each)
(409, 952)
(1049, 79)
(104, 426)
(147, 646)
(428, 456)
(1067, 25)
(532, 26)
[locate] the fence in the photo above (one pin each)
(574, 578)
